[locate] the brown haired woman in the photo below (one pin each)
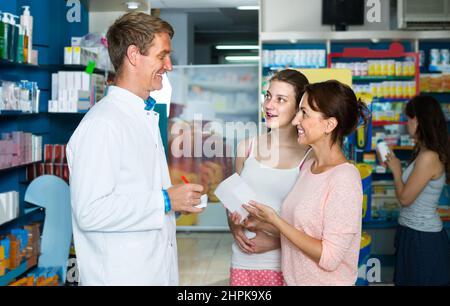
(270, 165)
(421, 242)
(320, 220)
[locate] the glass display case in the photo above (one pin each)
(212, 109)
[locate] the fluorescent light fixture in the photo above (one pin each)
(132, 5)
(248, 7)
(237, 47)
(232, 58)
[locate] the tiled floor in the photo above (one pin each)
(204, 258)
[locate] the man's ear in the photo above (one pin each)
(132, 54)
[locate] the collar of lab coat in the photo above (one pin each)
(128, 100)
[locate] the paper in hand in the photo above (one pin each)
(233, 192)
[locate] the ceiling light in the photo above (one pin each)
(237, 47)
(132, 5)
(248, 7)
(242, 58)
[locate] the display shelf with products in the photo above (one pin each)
(386, 98)
(17, 166)
(51, 32)
(25, 266)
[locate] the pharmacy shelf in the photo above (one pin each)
(9, 64)
(351, 36)
(68, 113)
(383, 123)
(276, 68)
(224, 86)
(8, 113)
(382, 224)
(383, 196)
(81, 68)
(382, 78)
(436, 93)
(439, 68)
(379, 224)
(389, 100)
(398, 148)
(13, 274)
(18, 166)
(28, 211)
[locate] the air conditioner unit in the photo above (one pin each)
(423, 15)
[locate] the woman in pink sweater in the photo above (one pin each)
(320, 221)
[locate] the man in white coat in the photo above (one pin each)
(123, 204)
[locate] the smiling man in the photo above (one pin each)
(123, 202)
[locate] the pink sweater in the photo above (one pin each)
(328, 207)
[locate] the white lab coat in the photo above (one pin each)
(117, 172)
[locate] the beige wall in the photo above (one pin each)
(306, 15)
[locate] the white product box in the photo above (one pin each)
(76, 41)
(78, 80)
(76, 55)
(86, 81)
(54, 86)
(72, 101)
(68, 55)
(63, 97)
(3, 208)
(70, 80)
(383, 150)
(62, 80)
(34, 56)
(51, 106)
(84, 100)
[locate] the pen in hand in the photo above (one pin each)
(204, 198)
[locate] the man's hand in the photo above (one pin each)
(184, 197)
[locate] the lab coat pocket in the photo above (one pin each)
(135, 258)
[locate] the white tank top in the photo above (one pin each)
(271, 186)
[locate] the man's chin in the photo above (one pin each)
(157, 86)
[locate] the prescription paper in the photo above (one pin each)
(233, 192)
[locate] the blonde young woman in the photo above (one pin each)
(270, 164)
(320, 220)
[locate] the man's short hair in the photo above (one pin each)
(135, 28)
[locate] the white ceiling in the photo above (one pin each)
(119, 5)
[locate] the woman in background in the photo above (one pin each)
(421, 242)
(270, 165)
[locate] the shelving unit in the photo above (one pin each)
(17, 166)
(13, 274)
(51, 33)
(335, 42)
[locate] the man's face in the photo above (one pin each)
(152, 66)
